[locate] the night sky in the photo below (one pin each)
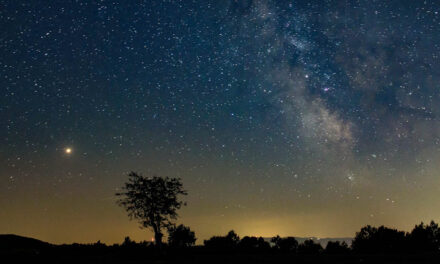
(300, 118)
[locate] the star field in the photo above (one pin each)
(282, 117)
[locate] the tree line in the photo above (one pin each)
(154, 201)
(423, 238)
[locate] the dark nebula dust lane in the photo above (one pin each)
(303, 118)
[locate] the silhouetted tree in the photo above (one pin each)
(223, 242)
(337, 248)
(425, 238)
(153, 201)
(232, 236)
(286, 244)
(379, 240)
(128, 242)
(181, 236)
(253, 244)
(309, 247)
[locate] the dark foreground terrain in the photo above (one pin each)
(16, 249)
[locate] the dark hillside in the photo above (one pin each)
(14, 244)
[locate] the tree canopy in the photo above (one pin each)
(153, 201)
(181, 236)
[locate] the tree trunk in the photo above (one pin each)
(158, 238)
(157, 235)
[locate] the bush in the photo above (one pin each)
(309, 247)
(227, 242)
(337, 248)
(287, 244)
(181, 236)
(380, 240)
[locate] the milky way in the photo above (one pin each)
(281, 117)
